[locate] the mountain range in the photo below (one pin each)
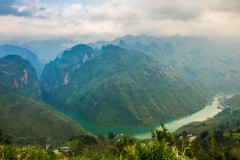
(211, 63)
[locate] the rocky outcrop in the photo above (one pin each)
(19, 76)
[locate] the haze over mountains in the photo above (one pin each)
(45, 49)
(25, 53)
(212, 63)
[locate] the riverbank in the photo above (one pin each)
(209, 111)
(144, 132)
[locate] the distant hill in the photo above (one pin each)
(25, 53)
(117, 87)
(24, 119)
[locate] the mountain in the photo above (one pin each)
(211, 63)
(18, 76)
(23, 117)
(25, 53)
(117, 87)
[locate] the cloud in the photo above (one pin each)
(14, 7)
(111, 18)
(168, 9)
(232, 6)
(26, 8)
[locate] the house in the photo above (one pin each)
(64, 149)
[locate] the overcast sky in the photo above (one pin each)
(107, 19)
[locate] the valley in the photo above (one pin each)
(119, 80)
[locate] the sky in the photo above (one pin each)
(108, 19)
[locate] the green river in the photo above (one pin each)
(145, 132)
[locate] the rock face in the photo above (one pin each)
(8, 49)
(18, 75)
(117, 87)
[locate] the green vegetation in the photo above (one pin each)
(218, 137)
(27, 152)
(95, 148)
(214, 146)
(161, 146)
(118, 87)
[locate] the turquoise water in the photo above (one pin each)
(145, 132)
(208, 112)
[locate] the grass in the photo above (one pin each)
(27, 121)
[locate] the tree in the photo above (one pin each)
(157, 150)
(212, 147)
(218, 136)
(163, 134)
(130, 151)
(111, 135)
(4, 139)
(204, 134)
(124, 141)
(101, 137)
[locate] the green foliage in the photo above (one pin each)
(4, 139)
(163, 134)
(27, 152)
(101, 137)
(86, 148)
(218, 136)
(111, 135)
(124, 141)
(85, 139)
(215, 146)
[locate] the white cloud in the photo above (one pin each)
(74, 12)
(114, 18)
